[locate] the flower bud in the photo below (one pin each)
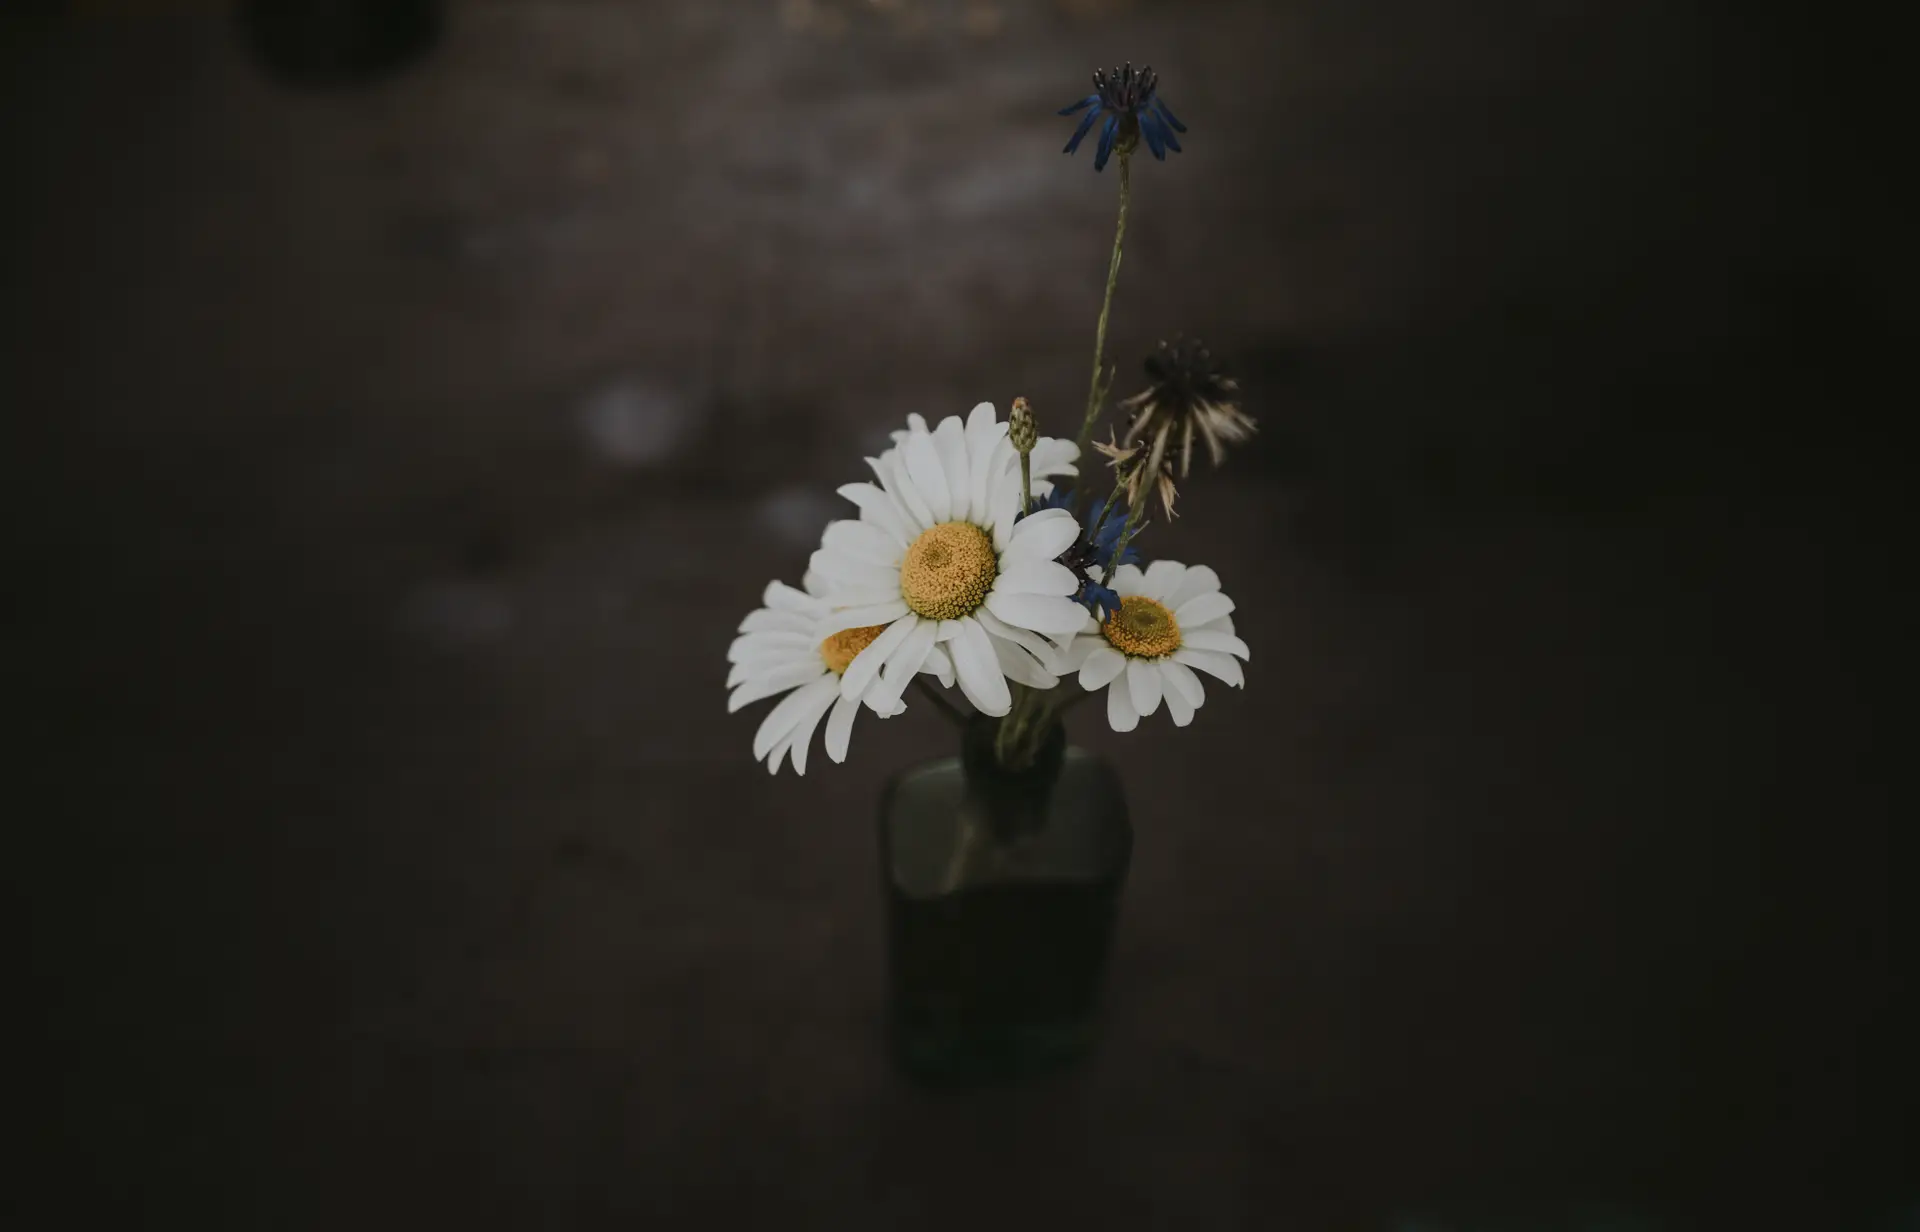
(1021, 429)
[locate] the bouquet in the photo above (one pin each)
(984, 557)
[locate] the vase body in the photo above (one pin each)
(1002, 890)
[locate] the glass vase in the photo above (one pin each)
(1002, 888)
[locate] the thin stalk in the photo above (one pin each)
(1095, 394)
(1138, 508)
(1093, 527)
(1026, 482)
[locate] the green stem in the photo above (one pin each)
(1026, 482)
(1007, 737)
(946, 707)
(1093, 527)
(1095, 395)
(1133, 523)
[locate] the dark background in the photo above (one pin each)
(394, 460)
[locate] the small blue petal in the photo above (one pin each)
(1086, 122)
(1166, 134)
(1151, 130)
(1088, 101)
(1167, 115)
(1098, 596)
(1107, 134)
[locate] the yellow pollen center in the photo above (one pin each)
(843, 647)
(948, 571)
(1142, 628)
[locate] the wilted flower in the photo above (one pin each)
(1187, 395)
(1131, 104)
(1134, 471)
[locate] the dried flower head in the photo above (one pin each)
(1187, 395)
(1133, 471)
(1131, 103)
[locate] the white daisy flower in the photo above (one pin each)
(1172, 620)
(779, 652)
(938, 558)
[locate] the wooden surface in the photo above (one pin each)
(394, 465)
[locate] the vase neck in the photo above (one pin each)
(1015, 799)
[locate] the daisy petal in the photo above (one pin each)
(866, 664)
(1003, 502)
(1039, 647)
(859, 617)
(783, 598)
(904, 663)
(984, 431)
(758, 645)
(979, 670)
(950, 442)
(940, 664)
(767, 620)
(1213, 663)
(1184, 682)
(1199, 580)
(879, 510)
(1019, 666)
(780, 721)
(1143, 686)
(892, 471)
(861, 541)
(1127, 580)
(1178, 707)
(864, 596)
(1026, 576)
(1121, 716)
(1200, 609)
(925, 473)
(776, 681)
(1041, 613)
(1103, 665)
(1053, 456)
(1043, 535)
(803, 730)
(1161, 578)
(840, 728)
(845, 571)
(1213, 639)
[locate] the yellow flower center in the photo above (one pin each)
(1142, 628)
(843, 647)
(948, 571)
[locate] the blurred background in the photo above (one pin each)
(405, 403)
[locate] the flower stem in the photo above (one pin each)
(946, 707)
(1139, 507)
(1095, 394)
(1093, 527)
(1026, 482)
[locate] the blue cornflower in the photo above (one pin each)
(1132, 107)
(1090, 551)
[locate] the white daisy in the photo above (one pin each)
(1172, 620)
(938, 558)
(779, 652)
(1051, 455)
